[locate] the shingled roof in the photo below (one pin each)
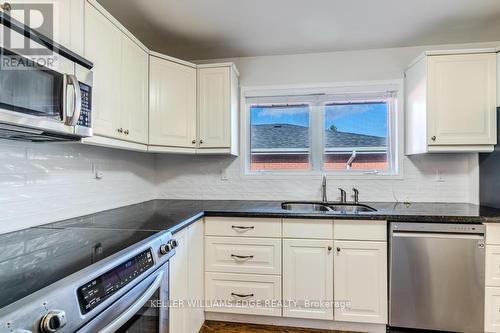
(285, 136)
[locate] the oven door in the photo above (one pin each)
(143, 309)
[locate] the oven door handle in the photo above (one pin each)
(72, 119)
(134, 308)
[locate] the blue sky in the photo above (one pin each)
(369, 119)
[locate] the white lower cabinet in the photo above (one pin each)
(249, 294)
(308, 278)
(360, 275)
(492, 310)
(186, 281)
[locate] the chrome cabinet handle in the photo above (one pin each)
(433, 138)
(120, 130)
(77, 97)
(201, 142)
(242, 228)
(338, 249)
(193, 142)
(330, 249)
(126, 132)
(241, 257)
(6, 7)
(242, 295)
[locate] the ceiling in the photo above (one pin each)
(209, 29)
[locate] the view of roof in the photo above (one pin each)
(293, 136)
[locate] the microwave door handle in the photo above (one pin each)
(132, 310)
(72, 119)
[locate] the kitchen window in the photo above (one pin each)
(345, 133)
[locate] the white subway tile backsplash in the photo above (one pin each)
(42, 183)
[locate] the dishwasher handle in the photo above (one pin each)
(437, 235)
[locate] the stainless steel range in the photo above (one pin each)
(116, 291)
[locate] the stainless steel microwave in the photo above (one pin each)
(47, 98)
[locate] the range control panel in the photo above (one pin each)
(94, 292)
(86, 114)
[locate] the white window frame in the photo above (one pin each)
(395, 128)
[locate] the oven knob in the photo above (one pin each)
(53, 321)
(173, 243)
(164, 249)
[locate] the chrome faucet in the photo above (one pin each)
(324, 197)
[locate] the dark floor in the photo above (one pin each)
(224, 327)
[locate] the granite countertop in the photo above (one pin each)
(174, 215)
(53, 251)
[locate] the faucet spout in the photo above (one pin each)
(324, 197)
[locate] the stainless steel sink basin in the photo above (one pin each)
(353, 208)
(305, 207)
(338, 208)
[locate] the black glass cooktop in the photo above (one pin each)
(34, 258)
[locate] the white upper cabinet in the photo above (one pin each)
(67, 26)
(120, 88)
(360, 275)
(498, 78)
(218, 104)
(135, 92)
(103, 48)
(172, 111)
(451, 103)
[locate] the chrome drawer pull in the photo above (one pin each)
(242, 228)
(241, 257)
(242, 296)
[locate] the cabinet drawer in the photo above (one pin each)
(492, 310)
(243, 255)
(493, 234)
(308, 228)
(242, 293)
(360, 230)
(492, 269)
(243, 227)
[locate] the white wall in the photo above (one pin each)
(42, 183)
(200, 177)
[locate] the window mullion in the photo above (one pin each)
(316, 150)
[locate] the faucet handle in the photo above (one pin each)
(356, 195)
(343, 195)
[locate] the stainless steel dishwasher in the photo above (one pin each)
(437, 276)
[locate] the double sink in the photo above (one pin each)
(337, 208)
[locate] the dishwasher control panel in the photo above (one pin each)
(433, 227)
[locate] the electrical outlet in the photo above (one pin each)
(97, 171)
(439, 176)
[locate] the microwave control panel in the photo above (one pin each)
(85, 119)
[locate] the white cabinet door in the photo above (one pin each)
(307, 277)
(179, 287)
(492, 310)
(103, 48)
(65, 26)
(498, 79)
(186, 280)
(172, 117)
(462, 99)
(196, 292)
(135, 93)
(214, 107)
(360, 279)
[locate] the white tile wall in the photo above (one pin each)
(186, 177)
(42, 183)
